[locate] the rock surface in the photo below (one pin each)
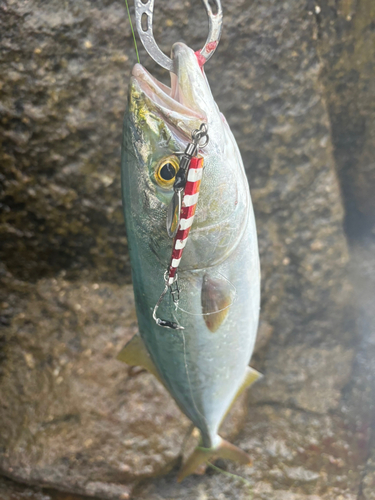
(71, 415)
(346, 43)
(301, 110)
(359, 398)
(296, 455)
(13, 491)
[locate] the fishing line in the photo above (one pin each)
(234, 298)
(217, 469)
(131, 26)
(188, 377)
(232, 476)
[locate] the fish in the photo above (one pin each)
(204, 362)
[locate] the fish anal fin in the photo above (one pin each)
(135, 354)
(201, 456)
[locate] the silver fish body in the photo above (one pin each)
(203, 366)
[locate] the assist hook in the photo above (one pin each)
(146, 11)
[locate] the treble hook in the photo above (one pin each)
(146, 34)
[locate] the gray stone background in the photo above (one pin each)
(296, 81)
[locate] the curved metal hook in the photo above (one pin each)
(146, 34)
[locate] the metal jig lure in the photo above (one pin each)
(180, 215)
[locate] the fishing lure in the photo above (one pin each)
(180, 215)
(192, 239)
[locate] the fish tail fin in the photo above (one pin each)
(201, 456)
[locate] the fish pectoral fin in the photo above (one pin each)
(217, 296)
(201, 456)
(135, 354)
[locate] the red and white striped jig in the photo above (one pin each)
(180, 216)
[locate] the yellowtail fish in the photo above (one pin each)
(192, 242)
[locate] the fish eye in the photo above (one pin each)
(166, 172)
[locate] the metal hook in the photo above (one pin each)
(147, 36)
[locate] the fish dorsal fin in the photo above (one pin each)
(216, 298)
(250, 377)
(135, 354)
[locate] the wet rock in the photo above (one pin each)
(308, 378)
(346, 41)
(300, 475)
(296, 455)
(10, 490)
(305, 452)
(359, 398)
(368, 483)
(63, 98)
(71, 415)
(264, 335)
(286, 495)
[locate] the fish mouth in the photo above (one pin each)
(169, 98)
(177, 101)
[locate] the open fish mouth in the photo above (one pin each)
(168, 100)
